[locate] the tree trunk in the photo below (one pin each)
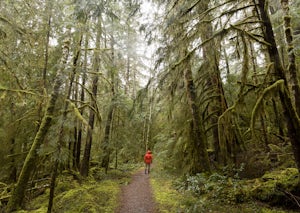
(292, 67)
(75, 129)
(16, 199)
(60, 142)
(85, 165)
(13, 168)
(52, 186)
(82, 99)
(279, 123)
(118, 123)
(84, 170)
(210, 61)
(48, 11)
(291, 116)
(199, 140)
(105, 145)
(108, 126)
(72, 147)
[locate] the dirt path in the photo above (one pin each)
(137, 197)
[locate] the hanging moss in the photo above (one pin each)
(78, 114)
(277, 86)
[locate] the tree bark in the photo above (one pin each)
(16, 199)
(75, 129)
(105, 145)
(85, 165)
(211, 57)
(52, 186)
(292, 67)
(82, 99)
(48, 11)
(199, 140)
(13, 168)
(60, 142)
(108, 126)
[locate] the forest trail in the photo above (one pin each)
(136, 197)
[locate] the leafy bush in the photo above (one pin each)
(215, 186)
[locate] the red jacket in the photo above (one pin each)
(148, 157)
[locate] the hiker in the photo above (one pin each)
(148, 160)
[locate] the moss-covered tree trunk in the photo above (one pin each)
(199, 140)
(279, 123)
(75, 129)
(60, 142)
(48, 17)
(292, 67)
(76, 60)
(108, 126)
(82, 99)
(291, 116)
(105, 143)
(211, 56)
(44, 85)
(85, 164)
(52, 186)
(15, 202)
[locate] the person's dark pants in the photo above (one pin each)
(147, 168)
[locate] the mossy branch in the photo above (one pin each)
(16, 90)
(269, 91)
(222, 139)
(251, 35)
(78, 114)
(94, 100)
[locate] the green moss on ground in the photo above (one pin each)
(90, 197)
(199, 193)
(274, 187)
(98, 193)
(168, 199)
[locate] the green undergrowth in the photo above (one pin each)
(74, 194)
(277, 187)
(90, 197)
(272, 193)
(167, 198)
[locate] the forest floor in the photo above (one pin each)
(129, 190)
(137, 196)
